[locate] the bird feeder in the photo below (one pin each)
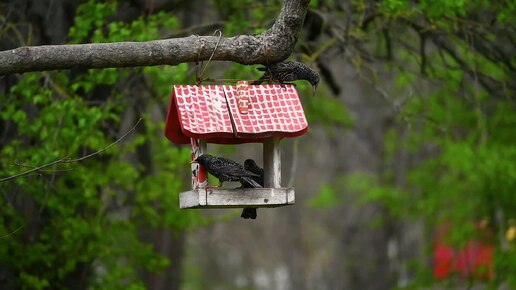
(224, 114)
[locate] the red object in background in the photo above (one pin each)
(215, 114)
(474, 260)
(443, 260)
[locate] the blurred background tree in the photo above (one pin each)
(412, 130)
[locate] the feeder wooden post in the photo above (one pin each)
(272, 162)
(203, 147)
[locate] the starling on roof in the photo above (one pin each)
(287, 71)
(250, 165)
(226, 170)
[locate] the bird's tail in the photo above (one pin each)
(249, 213)
(252, 182)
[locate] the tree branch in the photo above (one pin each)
(274, 45)
(490, 84)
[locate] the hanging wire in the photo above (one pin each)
(197, 65)
(198, 75)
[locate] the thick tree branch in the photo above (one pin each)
(274, 45)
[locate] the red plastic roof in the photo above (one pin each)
(227, 115)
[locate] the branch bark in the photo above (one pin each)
(274, 45)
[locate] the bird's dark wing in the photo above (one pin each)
(229, 167)
(251, 182)
(254, 168)
(284, 73)
(281, 71)
(220, 163)
(260, 178)
(283, 66)
(238, 172)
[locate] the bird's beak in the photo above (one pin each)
(193, 161)
(314, 88)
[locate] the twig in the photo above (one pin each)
(105, 148)
(323, 48)
(220, 80)
(12, 233)
(67, 159)
(197, 29)
(199, 76)
(60, 160)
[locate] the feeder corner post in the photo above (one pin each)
(272, 162)
(199, 174)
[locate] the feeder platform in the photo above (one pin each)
(236, 198)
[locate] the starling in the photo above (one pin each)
(287, 71)
(250, 165)
(226, 170)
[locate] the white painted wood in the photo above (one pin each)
(291, 196)
(236, 198)
(272, 162)
(203, 146)
(190, 199)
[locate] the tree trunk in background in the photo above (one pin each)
(358, 257)
(297, 254)
(170, 245)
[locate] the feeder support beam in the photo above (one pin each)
(272, 162)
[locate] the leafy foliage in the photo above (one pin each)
(459, 130)
(82, 223)
(86, 223)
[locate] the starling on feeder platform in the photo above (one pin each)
(226, 170)
(251, 166)
(287, 71)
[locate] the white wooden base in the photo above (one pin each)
(238, 197)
